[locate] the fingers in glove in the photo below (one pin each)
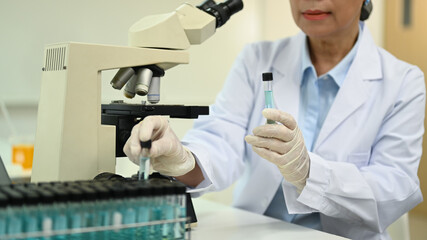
(277, 131)
(279, 116)
(294, 165)
(269, 155)
(176, 164)
(300, 174)
(132, 147)
(152, 127)
(166, 146)
(295, 153)
(273, 144)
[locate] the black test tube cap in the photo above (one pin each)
(57, 190)
(156, 186)
(4, 200)
(130, 191)
(44, 196)
(31, 197)
(102, 192)
(179, 188)
(267, 76)
(76, 195)
(16, 198)
(146, 144)
(116, 189)
(169, 188)
(89, 194)
(144, 189)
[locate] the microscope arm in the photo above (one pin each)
(177, 30)
(173, 31)
(185, 26)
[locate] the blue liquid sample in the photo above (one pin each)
(129, 217)
(144, 163)
(269, 103)
(269, 99)
(75, 220)
(14, 221)
(31, 221)
(143, 217)
(3, 225)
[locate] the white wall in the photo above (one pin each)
(27, 26)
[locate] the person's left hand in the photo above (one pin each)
(283, 145)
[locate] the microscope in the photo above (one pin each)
(77, 137)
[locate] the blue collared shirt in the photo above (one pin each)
(316, 98)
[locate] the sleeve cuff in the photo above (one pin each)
(206, 185)
(312, 197)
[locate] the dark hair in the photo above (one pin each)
(366, 10)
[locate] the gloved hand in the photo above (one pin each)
(283, 145)
(167, 155)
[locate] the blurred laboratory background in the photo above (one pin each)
(27, 26)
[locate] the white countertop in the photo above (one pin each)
(217, 221)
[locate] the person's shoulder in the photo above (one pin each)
(401, 75)
(394, 64)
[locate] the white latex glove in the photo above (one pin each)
(283, 145)
(167, 155)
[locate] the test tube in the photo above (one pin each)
(143, 209)
(102, 209)
(169, 212)
(180, 209)
(14, 211)
(75, 212)
(157, 210)
(129, 211)
(267, 79)
(144, 160)
(29, 209)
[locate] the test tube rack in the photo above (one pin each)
(153, 209)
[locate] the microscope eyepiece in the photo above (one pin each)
(222, 11)
(206, 5)
(234, 6)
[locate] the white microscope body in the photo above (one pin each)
(71, 143)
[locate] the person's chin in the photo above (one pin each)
(317, 32)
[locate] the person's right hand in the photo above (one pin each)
(167, 155)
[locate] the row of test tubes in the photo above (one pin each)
(154, 209)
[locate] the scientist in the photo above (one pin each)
(344, 154)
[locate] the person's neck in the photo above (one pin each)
(326, 53)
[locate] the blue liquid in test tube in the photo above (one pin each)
(144, 160)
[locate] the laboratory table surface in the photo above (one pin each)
(218, 221)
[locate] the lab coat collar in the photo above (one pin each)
(289, 58)
(353, 93)
(356, 87)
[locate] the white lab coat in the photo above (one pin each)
(363, 172)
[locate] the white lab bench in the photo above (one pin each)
(217, 221)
